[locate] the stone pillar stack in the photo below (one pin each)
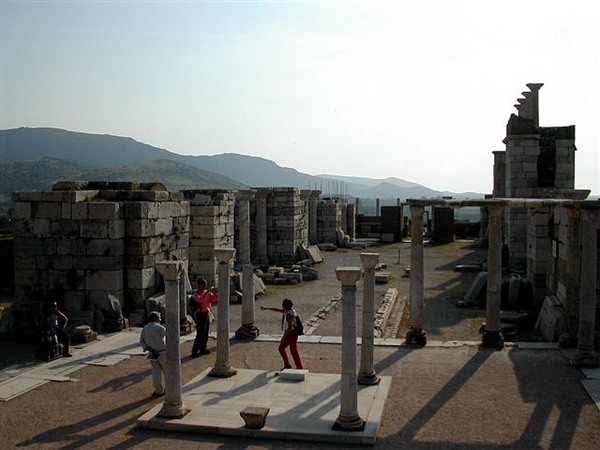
(351, 221)
(588, 309)
(248, 328)
(330, 221)
(539, 253)
(211, 226)
(416, 335)
(287, 225)
(261, 243)
(492, 335)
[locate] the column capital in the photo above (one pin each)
(369, 260)
(170, 270)
(224, 255)
(244, 194)
(496, 211)
(348, 275)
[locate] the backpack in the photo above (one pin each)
(299, 326)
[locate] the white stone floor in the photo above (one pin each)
(298, 410)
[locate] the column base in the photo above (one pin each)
(222, 372)
(173, 411)
(416, 336)
(348, 424)
(492, 339)
(369, 379)
(584, 359)
(567, 341)
(247, 331)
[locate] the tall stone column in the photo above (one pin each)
(248, 328)
(262, 256)
(367, 374)
(222, 367)
(415, 334)
(185, 321)
(568, 339)
(586, 356)
(173, 405)
(312, 218)
(492, 335)
(348, 419)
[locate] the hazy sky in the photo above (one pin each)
(419, 90)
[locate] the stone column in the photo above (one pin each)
(185, 321)
(262, 256)
(492, 335)
(586, 356)
(248, 329)
(377, 208)
(312, 217)
(568, 339)
(348, 419)
(173, 405)
(222, 367)
(415, 334)
(367, 374)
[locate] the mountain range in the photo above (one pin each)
(35, 158)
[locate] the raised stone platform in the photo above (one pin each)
(297, 411)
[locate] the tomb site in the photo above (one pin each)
(420, 330)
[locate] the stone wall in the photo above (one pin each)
(287, 225)
(329, 214)
(212, 214)
(82, 242)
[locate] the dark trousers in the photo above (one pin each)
(202, 325)
(63, 338)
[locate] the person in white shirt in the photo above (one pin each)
(152, 340)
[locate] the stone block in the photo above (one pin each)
(254, 417)
(79, 211)
(94, 229)
(106, 247)
(550, 319)
(21, 210)
(47, 211)
(116, 229)
(293, 374)
(105, 280)
(141, 210)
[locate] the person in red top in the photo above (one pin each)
(203, 298)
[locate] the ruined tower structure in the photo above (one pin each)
(545, 241)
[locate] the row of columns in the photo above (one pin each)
(348, 418)
(492, 334)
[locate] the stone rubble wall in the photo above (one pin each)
(77, 245)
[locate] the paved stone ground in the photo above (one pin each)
(458, 397)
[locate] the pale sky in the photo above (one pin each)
(419, 90)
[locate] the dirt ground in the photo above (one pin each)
(442, 398)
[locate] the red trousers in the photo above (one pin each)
(290, 339)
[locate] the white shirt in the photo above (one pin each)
(153, 337)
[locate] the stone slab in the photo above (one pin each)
(593, 388)
(293, 374)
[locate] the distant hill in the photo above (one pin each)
(97, 157)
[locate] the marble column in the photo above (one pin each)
(586, 355)
(415, 334)
(222, 366)
(262, 255)
(348, 418)
(366, 374)
(492, 335)
(173, 405)
(186, 323)
(248, 329)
